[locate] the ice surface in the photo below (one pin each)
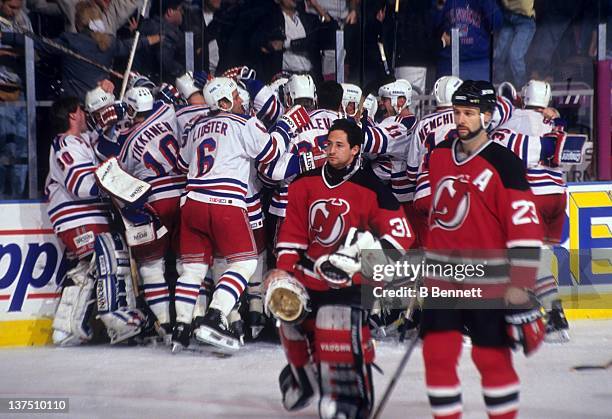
(137, 382)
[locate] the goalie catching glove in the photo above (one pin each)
(285, 297)
(337, 269)
(525, 326)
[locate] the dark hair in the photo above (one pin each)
(160, 7)
(329, 95)
(60, 113)
(354, 134)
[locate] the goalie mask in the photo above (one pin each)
(217, 89)
(96, 102)
(301, 86)
(351, 96)
(138, 99)
(286, 299)
(394, 91)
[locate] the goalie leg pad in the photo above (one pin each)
(344, 351)
(71, 321)
(298, 381)
(123, 323)
(156, 293)
(232, 284)
(188, 289)
(114, 288)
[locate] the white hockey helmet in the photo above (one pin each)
(97, 99)
(371, 105)
(139, 80)
(444, 88)
(301, 86)
(185, 84)
(395, 90)
(217, 89)
(351, 93)
(138, 99)
(536, 93)
(246, 98)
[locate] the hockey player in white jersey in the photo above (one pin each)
(190, 88)
(213, 217)
(351, 97)
(549, 189)
(81, 218)
(149, 152)
(390, 159)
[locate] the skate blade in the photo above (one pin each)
(255, 331)
(557, 336)
(211, 337)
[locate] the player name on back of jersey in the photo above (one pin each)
(150, 133)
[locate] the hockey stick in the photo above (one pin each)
(400, 368)
(128, 69)
(396, 23)
(592, 367)
(59, 47)
(383, 57)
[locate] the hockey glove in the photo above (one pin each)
(310, 160)
(552, 148)
(253, 86)
(525, 326)
(170, 95)
(294, 119)
(200, 78)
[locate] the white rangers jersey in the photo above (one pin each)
(217, 153)
(186, 114)
(312, 137)
(71, 186)
(542, 179)
(390, 164)
(149, 152)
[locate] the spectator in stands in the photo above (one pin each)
(336, 14)
(416, 43)
(13, 118)
(207, 27)
(91, 41)
(476, 20)
(513, 41)
(114, 13)
(167, 61)
(286, 41)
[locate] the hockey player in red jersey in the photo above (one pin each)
(480, 202)
(322, 329)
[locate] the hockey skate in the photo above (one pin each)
(215, 331)
(180, 337)
(556, 325)
(257, 322)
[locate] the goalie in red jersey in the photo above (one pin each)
(333, 212)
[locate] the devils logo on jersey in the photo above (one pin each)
(326, 219)
(451, 203)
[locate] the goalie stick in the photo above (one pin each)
(59, 47)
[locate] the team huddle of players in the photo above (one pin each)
(215, 170)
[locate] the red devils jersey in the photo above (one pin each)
(320, 215)
(483, 202)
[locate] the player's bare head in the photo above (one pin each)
(67, 114)
(344, 143)
(287, 4)
(212, 5)
(473, 105)
(330, 95)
